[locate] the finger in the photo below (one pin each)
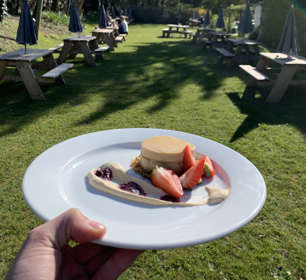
(117, 264)
(72, 224)
(98, 261)
(69, 268)
(83, 253)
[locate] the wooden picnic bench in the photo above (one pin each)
(101, 50)
(107, 36)
(85, 45)
(120, 39)
(285, 76)
(201, 33)
(56, 73)
(225, 55)
(177, 29)
(207, 43)
(254, 73)
(166, 32)
(194, 22)
(246, 51)
(25, 65)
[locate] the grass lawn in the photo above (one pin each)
(173, 84)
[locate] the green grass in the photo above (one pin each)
(167, 83)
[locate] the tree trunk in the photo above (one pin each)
(262, 20)
(79, 4)
(39, 6)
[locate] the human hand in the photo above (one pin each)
(46, 255)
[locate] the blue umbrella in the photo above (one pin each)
(288, 42)
(207, 19)
(26, 31)
(220, 21)
(245, 24)
(75, 24)
(103, 22)
(117, 13)
(113, 12)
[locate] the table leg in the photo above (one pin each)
(2, 68)
(29, 80)
(262, 63)
(86, 52)
(93, 45)
(51, 63)
(65, 52)
(109, 40)
(282, 83)
(249, 91)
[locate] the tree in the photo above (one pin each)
(3, 9)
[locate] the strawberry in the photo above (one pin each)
(168, 181)
(189, 159)
(208, 170)
(193, 175)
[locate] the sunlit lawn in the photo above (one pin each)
(167, 83)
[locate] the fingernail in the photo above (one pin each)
(96, 225)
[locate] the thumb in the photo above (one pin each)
(71, 225)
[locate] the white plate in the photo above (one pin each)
(56, 181)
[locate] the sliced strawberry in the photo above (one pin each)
(189, 159)
(168, 181)
(208, 170)
(193, 175)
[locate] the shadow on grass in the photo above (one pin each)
(291, 110)
(124, 79)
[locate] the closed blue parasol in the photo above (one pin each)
(26, 31)
(207, 19)
(117, 13)
(245, 24)
(75, 24)
(288, 43)
(220, 21)
(103, 22)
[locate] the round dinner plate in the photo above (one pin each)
(56, 181)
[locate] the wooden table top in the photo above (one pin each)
(194, 20)
(218, 33)
(245, 42)
(178, 25)
(81, 39)
(285, 59)
(205, 29)
(30, 55)
(103, 30)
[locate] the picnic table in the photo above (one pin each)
(86, 45)
(201, 33)
(215, 38)
(194, 22)
(289, 65)
(239, 50)
(177, 28)
(243, 45)
(25, 63)
(106, 35)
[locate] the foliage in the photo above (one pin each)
(2, 9)
(57, 18)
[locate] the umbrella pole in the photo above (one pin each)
(79, 34)
(25, 48)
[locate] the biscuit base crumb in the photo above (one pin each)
(135, 164)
